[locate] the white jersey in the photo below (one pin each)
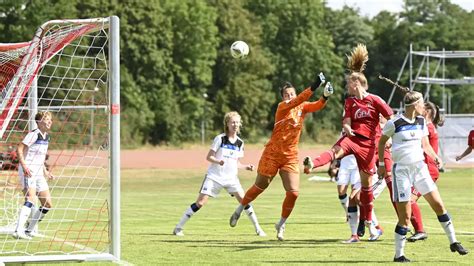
(406, 138)
(348, 162)
(36, 154)
(230, 154)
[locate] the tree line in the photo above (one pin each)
(177, 72)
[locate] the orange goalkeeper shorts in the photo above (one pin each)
(271, 162)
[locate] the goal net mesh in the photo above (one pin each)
(63, 70)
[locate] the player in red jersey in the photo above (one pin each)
(281, 152)
(470, 146)
(361, 126)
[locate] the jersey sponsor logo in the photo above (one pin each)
(361, 113)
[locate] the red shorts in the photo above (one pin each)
(363, 149)
(271, 162)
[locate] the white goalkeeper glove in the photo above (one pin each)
(328, 90)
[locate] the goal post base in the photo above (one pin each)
(58, 258)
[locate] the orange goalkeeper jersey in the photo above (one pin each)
(289, 118)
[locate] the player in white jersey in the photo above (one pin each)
(226, 150)
(409, 135)
(32, 172)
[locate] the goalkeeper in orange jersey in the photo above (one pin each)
(281, 152)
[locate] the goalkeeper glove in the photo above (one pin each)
(320, 80)
(328, 90)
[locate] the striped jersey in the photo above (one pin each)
(229, 152)
(406, 138)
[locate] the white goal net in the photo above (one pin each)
(69, 69)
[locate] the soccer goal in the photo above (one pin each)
(71, 69)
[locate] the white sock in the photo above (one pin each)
(253, 218)
(187, 215)
(400, 240)
(344, 202)
(281, 222)
(375, 222)
(353, 220)
(448, 227)
(22, 218)
(37, 216)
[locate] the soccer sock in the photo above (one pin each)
(415, 218)
(367, 200)
(353, 219)
(187, 215)
(344, 202)
(25, 212)
(251, 194)
(400, 240)
(37, 217)
(253, 218)
(288, 203)
(323, 159)
(375, 222)
(448, 227)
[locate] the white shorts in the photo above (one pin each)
(347, 177)
(378, 185)
(406, 176)
(37, 182)
(212, 188)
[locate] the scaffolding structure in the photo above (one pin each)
(439, 58)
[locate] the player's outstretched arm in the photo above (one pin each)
(464, 154)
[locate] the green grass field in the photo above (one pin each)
(154, 200)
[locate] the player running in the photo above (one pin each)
(224, 156)
(409, 135)
(281, 152)
(361, 126)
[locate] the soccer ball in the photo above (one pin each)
(239, 49)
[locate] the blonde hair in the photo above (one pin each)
(412, 97)
(42, 114)
(356, 63)
(227, 118)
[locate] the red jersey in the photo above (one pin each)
(433, 139)
(364, 114)
(470, 139)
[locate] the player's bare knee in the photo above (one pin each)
(48, 204)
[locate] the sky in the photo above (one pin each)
(371, 8)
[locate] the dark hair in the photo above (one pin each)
(285, 86)
(434, 114)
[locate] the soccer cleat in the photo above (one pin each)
(233, 219)
(21, 235)
(417, 236)
(260, 232)
(178, 231)
(361, 228)
(401, 259)
(308, 164)
(457, 247)
(353, 239)
(32, 234)
(280, 230)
